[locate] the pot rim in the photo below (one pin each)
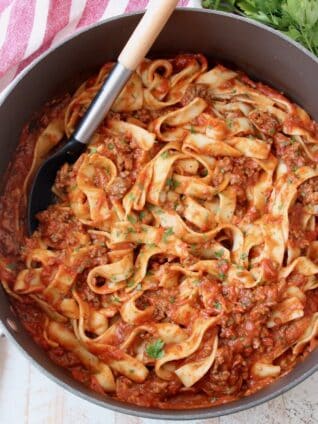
(109, 403)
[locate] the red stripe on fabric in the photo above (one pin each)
(93, 11)
(4, 4)
(136, 5)
(58, 18)
(18, 34)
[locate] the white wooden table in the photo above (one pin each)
(28, 397)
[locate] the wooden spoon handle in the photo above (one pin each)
(146, 32)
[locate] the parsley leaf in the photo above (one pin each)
(168, 232)
(172, 184)
(296, 18)
(155, 350)
(219, 253)
(131, 219)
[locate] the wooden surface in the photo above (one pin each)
(28, 397)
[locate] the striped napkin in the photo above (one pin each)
(29, 27)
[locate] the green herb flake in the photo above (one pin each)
(172, 184)
(155, 349)
(219, 253)
(192, 130)
(167, 233)
(130, 283)
(165, 154)
(131, 196)
(229, 123)
(131, 219)
(93, 150)
(217, 305)
(172, 299)
(115, 299)
(11, 267)
(110, 146)
(221, 276)
(244, 256)
(142, 215)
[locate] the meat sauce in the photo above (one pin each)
(243, 335)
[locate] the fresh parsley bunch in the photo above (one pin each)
(296, 18)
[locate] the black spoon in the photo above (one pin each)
(135, 50)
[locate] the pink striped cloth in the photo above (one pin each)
(29, 27)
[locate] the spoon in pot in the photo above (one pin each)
(135, 50)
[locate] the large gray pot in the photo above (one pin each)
(263, 53)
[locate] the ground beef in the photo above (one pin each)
(196, 90)
(244, 171)
(297, 235)
(63, 358)
(308, 192)
(120, 187)
(59, 228)
(290, 152)
(146, 115)
(149, 393)
(264, 122)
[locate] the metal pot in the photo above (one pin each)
(263, 53)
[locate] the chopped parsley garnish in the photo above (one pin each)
(131, 196)
(115, 299)
(219, 253)
(192, 130)
(155, 350)
(142, 215)
(221, 276)
(11, 266)
(217, 305)
(172, 299)
(130, 283)
(229, 123)
(131, 219)
(243, 256)
(168, 232)
(110, 146)
(172, 184)
(93, 150)
(165, 154)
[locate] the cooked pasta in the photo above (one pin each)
(178, 266)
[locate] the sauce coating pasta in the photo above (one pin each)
(178, 266)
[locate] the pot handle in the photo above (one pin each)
(148, 29)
